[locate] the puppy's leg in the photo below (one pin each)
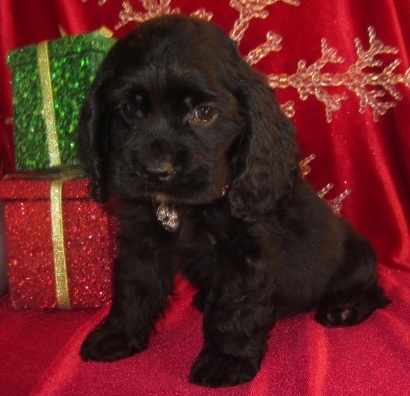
(136, 305)
(142, 283)
(354, 293)
(237, 320)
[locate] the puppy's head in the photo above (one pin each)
(175, 112)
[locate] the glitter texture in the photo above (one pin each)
(73, 62)
(89, 238)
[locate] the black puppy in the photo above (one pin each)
(191, 142)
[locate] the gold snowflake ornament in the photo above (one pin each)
(335, 203)
(311, 80)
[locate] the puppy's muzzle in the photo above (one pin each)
(159, 160)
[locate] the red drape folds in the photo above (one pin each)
(353, 152)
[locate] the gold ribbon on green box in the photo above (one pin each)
(48, 99)
(48, 103)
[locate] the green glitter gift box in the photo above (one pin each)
(50, 81)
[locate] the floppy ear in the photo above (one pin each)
(93, 138)
(266, 159)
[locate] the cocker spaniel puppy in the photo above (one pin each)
(191, 142)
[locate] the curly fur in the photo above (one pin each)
(264, 249)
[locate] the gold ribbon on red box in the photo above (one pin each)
(57, 230)
(57, 233)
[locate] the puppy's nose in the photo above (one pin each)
(159, 159)
(163, 170)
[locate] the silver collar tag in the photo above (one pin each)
(168, 216)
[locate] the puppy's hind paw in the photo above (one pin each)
(349, 310)
(107, 343)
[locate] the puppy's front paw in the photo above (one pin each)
(215, 369)
(108, 343)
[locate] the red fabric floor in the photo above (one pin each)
(39, 353)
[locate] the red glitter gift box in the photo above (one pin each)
(60, 244)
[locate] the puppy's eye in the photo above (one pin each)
(203, 114)
(134, 108)
(128, 111)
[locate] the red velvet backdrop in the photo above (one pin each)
(353, 151)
